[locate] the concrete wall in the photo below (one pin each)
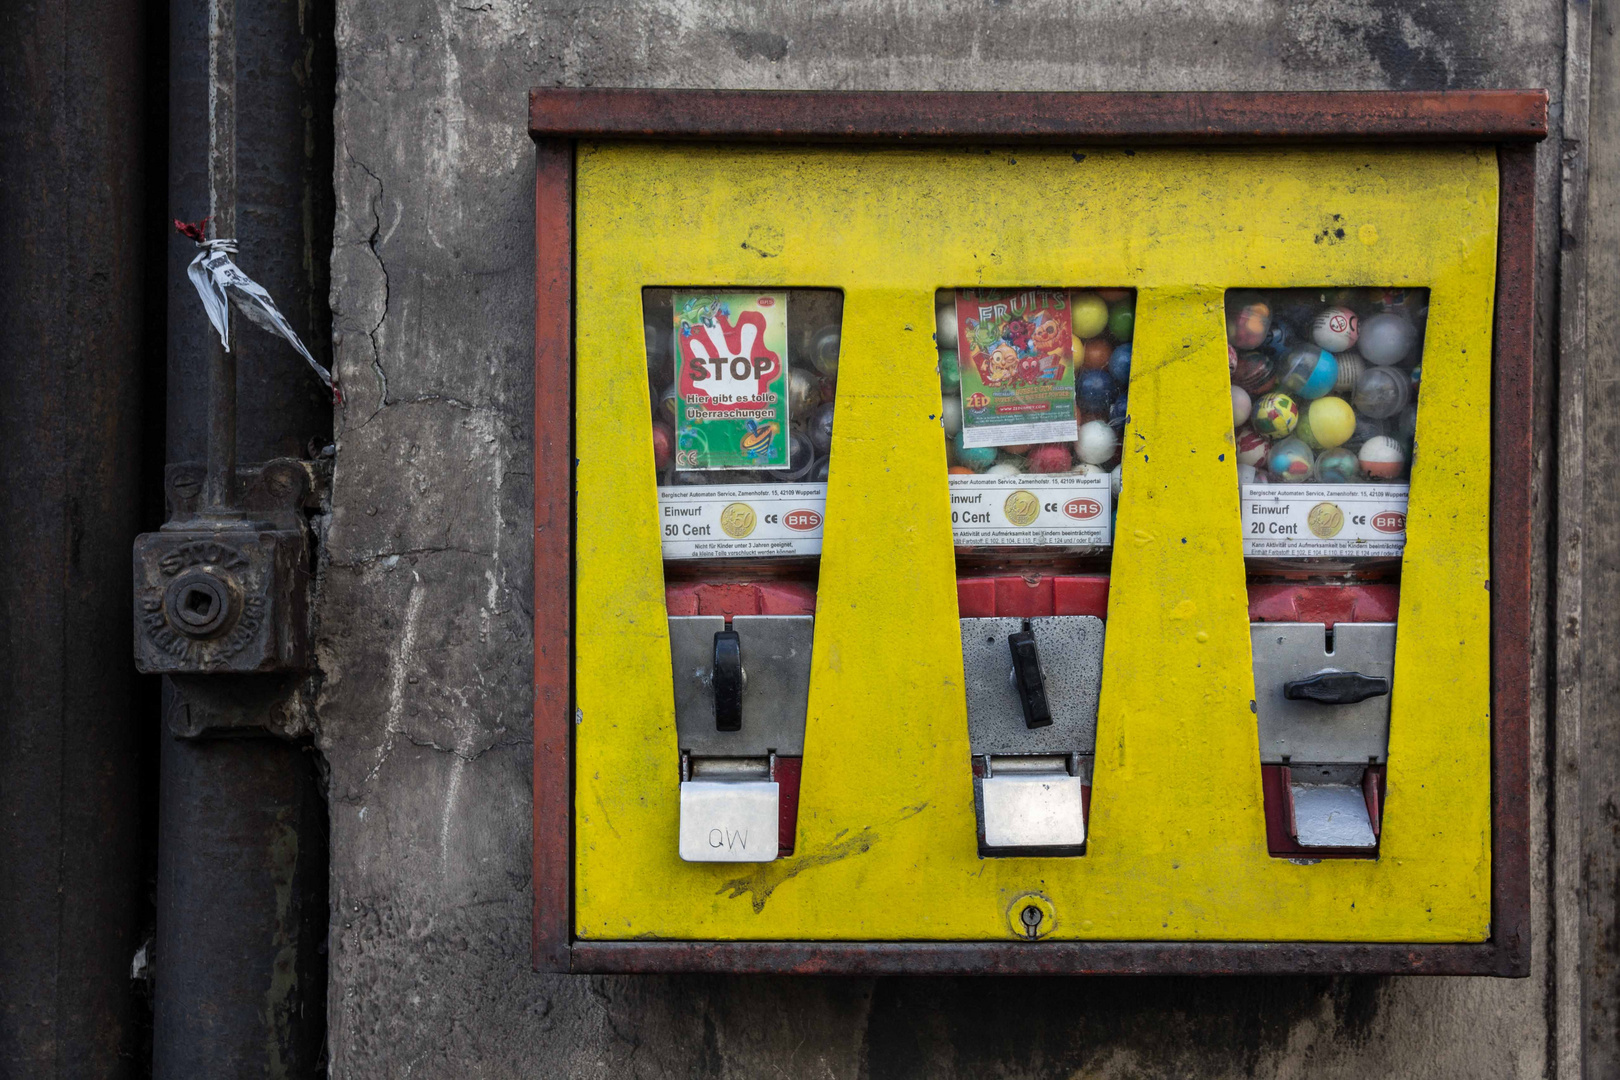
(425, 607)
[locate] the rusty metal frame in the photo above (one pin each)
(1513, 120)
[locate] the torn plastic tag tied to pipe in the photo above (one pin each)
(220, 282)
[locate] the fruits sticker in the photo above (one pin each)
(1017, 367)
(731, 381)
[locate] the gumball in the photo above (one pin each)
(1351, 366)
(1338, 466)
(821, 470)
(950, 371)
(1086, 468)
(1251, 447)
(663, 445)
(1242, 405)
(1019, 448)
(1291, 462)
(1004, 468)
(824, 351)
(1308, 371)
(1387, 338)
(801, 459)
(1248, 320)
(1381, 393)
(950, 417)
(1275, 415)
(1119, 365)
(1118, 414)
(1050, 458)
(1088, 314)
(1094, 354)
(1231, 359)
(1382, 457)
(821, 423)
(959, 470)
(1334, 329)
(1256, 373)
(977, 458)
(1327, 423)
(1097, 442)
(1111, 295)
(670, 403)
(945, 320)
(1248, 474)
(1122, 319)
(803, 392)
(1116, 479)
(1095, 390)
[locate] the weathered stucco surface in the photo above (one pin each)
(425, 603)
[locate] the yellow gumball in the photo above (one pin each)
(1088, 314)
(1328, 423)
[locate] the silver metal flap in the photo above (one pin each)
(776, 684)
(1071, 648)
(1332, 816)
(729, 820)
(1030, 809)
(1307, 731)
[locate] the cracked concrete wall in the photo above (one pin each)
(426, 583)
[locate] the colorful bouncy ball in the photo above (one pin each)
(1248, 320)
(1334, 329)
(1382, 458)
(1327, 422)
(663, 438)
(1256, 373)
(1291, 461)
(1338, 466)
(1275, 415)
(1308, 371)
(1251, 446)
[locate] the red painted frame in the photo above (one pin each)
(1512, 120)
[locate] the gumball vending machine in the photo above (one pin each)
(1158, 602)
(1325, 415)
(743, 385)
(1033, 387)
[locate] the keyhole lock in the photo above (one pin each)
(198, 604)
(1031, 916)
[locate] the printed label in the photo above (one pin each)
(1333, 520)
(1017, 366)
(1062, 510)
(704, 521)
(731, 378)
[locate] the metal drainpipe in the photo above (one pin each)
(242, 856)
(79, 319)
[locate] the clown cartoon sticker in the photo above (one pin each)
(731, 379)
(1017, 366)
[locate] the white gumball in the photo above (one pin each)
(1003, 468)
(945, 322)
(1097, 442)
(1116, 479)
(1241, 406)
(951, 415)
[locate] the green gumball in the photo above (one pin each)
(1122, 320)
(950, 371)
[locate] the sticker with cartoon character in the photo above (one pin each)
(731, 381)
(1018, 381)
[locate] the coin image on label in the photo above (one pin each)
(1022, 508)
(737, 520)
(1325, 520)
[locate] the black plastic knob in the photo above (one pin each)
(1026, 660)
(728, 681)
(1336, 687)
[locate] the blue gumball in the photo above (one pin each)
(1119, 365)
(977, 458)
(1095, 390)
(1116, 414)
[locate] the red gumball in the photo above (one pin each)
(663, 445)
(1049, 458)
(1096, 353)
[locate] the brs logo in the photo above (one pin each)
(1390, 521)
(1081, 509)
(802, 520)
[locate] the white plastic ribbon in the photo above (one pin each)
(220, 282)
